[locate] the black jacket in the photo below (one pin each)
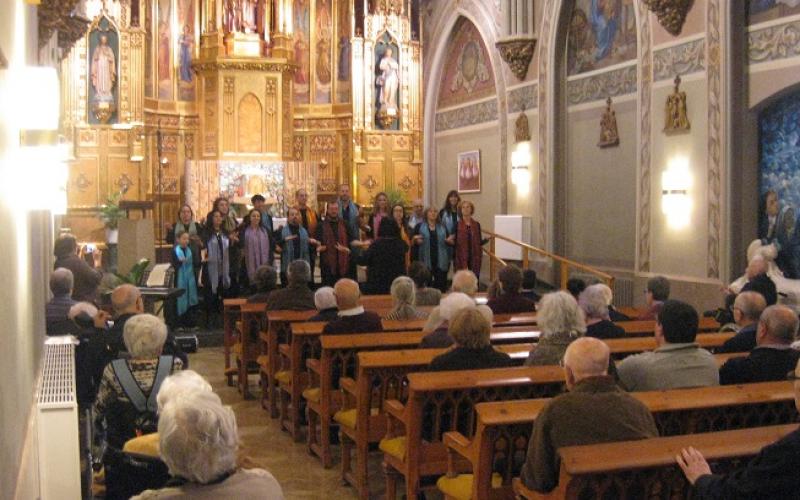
(605, 329)
(744, 341)
(764, 285)
(385, 260)
(764, 364)
(462, 358)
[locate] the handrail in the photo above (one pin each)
(564, 263)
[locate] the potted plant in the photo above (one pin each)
(395, 197)
(110, 214)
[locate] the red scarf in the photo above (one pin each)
(463, 243)
(331, 254)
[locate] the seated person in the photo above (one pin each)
(124, 383)
(426, 295)
(757, 281)
(473, 349)
(595, 410)
(575, 286)
(199, 443)
(747, 309)
(91, 354)
(447, 310)
(677, 362)
(561, 322)
(325, 302)
(529, 285)
(773, 355)
(613, 314)
(57, 310)
(351, 318)
(772, 474)
(655, 294)
(465, 282)
(403, 300)
(297, 296)
(598, 324)
(266, 281)
(509, 300)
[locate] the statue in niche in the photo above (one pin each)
(247, 16)
(609, 135)
(676, 116)
(104, 70)
(389, 82)
(229, 16)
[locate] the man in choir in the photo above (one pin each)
(352, 316)
(747, 309)
(348, 210)
(417, 216)
(294, 242)
(334, 246)
(656, 293)
(308, 219)
(595, 410)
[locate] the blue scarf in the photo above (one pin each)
(185, 279)
(352, 219)
(288, 254)
(441, 247)
(218, 262)
(449, 220)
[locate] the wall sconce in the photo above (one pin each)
(676, 181)
(521, 157)
(37, 118)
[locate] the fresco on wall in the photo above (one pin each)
(779, 165)
(103, 74)
(163, 51)
(323, 32)
(343, 54)
(467, 74)
(302, 32)
(601, 33)
(766, 10)
(186, 43)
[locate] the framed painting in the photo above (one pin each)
(469, 172)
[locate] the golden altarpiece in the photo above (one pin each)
(160, 95)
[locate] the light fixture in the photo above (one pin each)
(36, 118)
(676, 181)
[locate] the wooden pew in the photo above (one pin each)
(230, 310)
(247, 347)
(637, 469)
(647, 327)
(496, 452)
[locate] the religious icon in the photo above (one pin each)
(469, 172)
(103, 89)
(323, 68)
(676, 116)
(104, 70)
(389, 82)
(302, 29)
(609, 135)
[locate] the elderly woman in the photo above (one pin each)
(473, 350)
(325, 302)
(598, 324)
(439, 335)
(561, 322)
(403, 300)
(125, 384)
(266, 282)
(199, 443)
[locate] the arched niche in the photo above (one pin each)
(250, 125)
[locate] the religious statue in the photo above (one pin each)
(609, 135)
(104, 70)
(389, 82)
(229, 16)
(247, 16)
(676, 116)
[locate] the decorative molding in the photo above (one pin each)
(598, 87)
(774, 43)
(714, 161)
(545, 139)
(671, 14)
(644, 177)
(522, 98)
(683, 59)
(517, 53)
(481, 112)
(205, 66)
(56, 16)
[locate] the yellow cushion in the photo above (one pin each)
(312, 394)
(460, 487)
(263, 361)
(237, 348)
(284, 376)
(348, 417)
(146, 445)
(395, 447)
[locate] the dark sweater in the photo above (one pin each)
(764, 364)
(605, 329)
(294, 297)
(365, 322)
(328, 314)
(385, 260)
(744, 341)
(509, 303)
(462, 358)
(437, 339)
(86, 278)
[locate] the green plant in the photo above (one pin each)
(110, 212)
(134, 276)
(396, 197)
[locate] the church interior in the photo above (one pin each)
(625, 143)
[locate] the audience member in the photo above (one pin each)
(561, 322)
(598, 324)
(334, 246)
(403, 301)
(758, 281)
(747, 309)
(56, 311)
(677, 362)
(473, 350)
(575, 286)
(185, 279)
(297, 296)
(385, 258)
(352, 318)
(325, 302)
(465, 282)
(92, 353)
(432, 250)
(613, 314)
(773, 355)
(439, 336)
(468, 241)
(595, 410)
(509, 299)
(772, 474)
(529, 285)
(655, 294)
(266, 282)
(85, 278)
(426, 294)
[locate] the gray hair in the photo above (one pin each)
(198, 437)
(324, 298)
(61, 281)
(607, 293)
(403, 291)
(559, 313)
(86, 308)
(453, 303)
(659, 287)
(144, 336)
(593, 302)
(781, 323)
(751, 304)
(298, 271)
(180, 384)
(470, 328)
(465, 281)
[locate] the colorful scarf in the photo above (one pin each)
(333, 258)
(185, 279)
(449, 220)
(443, 256)
(465, 260)
(352, 217)
(288, 254)
(311, 219)
(218, 261)
(257, 246)
(191, 228)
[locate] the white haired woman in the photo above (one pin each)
(199, 443)
(560, 321)
(125, 384)
(470, 329)
(325, 302)
(594, 303)
(403, 301)
(447, 310)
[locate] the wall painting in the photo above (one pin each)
(760, 11)
(186, 44)
(601, 33)
(301, 11)
(469, 172)
(164, 49)
(323, 34)
(103, 74)
(343, 53)
(467, 74)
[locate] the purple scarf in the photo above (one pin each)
(256, 243)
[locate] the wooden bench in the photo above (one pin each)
(496, 452)
(648, 327)
(246, 347)
(647, 468)
(230, 311)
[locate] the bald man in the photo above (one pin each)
(352, 318)
(595, 410)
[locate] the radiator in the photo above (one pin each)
(623, 292)
(57, 422)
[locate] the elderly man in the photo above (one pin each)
(593, 302)
(57, 310)
(773, 355)
(771, 474)
(677, 362)
(509, 300)
(297, 296)
(594, 411)
(417, 216)
(655, 294)
(352, 318)
(451, 305)
(747, 309)
(757, 281)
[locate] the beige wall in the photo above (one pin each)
(524, 200)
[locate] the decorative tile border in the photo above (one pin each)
(522, 98)
(683, 59)
(548, 13)
(599, 87)
(644, 205)
(472, 114)
(774, 42)
(715, 139)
